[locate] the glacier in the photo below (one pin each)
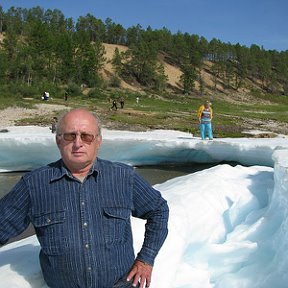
(228, 225)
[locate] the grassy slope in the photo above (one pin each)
(153, 112)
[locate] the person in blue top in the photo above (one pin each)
(205, 115)
(81, 208)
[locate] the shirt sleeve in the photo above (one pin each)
(14, 211)
(149, 205)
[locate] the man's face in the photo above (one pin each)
(77, 130)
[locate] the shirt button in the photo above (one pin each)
(82, 203)
(87, 246)
(85, 224)
(89, 269)
(48, 220)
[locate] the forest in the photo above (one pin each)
(42, 48)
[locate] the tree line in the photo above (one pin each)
(42, 46)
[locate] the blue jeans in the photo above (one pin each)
(206, 128)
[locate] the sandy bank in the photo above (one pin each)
(10, 115)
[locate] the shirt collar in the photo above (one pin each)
(64, 171)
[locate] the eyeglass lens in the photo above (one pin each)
(85, 137)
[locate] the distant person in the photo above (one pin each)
(54, 125)
(66, 95)
(45, 96)
(121, 102)
(137, 100)
(205, 115)
(114, 105)
(80, 207)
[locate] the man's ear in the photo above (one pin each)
(99, 140)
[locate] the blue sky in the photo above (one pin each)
(260, 22)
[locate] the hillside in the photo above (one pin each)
(247, 86)
(252, 119)
(174, 85)
(174, 73)
(235, 111)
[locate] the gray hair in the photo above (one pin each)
(60, 120)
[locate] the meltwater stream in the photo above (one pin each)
(155, 174)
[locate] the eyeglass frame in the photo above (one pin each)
(74, 136)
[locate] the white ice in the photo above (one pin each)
(228, 225)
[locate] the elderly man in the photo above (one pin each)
(80, 207)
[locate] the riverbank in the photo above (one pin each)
(42, 115)
(10, 115)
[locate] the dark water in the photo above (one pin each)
(153, 174)
(7, 181)
(161, 173)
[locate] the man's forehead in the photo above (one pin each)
(80, 124)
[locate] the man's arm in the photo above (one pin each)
(14, 209)
(149, 205)
(156, 231)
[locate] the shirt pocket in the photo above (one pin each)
(117, 227)
(51, 232)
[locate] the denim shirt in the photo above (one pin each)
(84, 228)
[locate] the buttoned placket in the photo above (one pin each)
(86, 235)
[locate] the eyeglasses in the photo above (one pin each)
(85, 137)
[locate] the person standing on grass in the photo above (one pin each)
(114, 105)
(205, 115)
(121, 100)
(80, 207)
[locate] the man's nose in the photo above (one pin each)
(78, 140)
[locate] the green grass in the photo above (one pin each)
(163, 111)
(14, 102)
